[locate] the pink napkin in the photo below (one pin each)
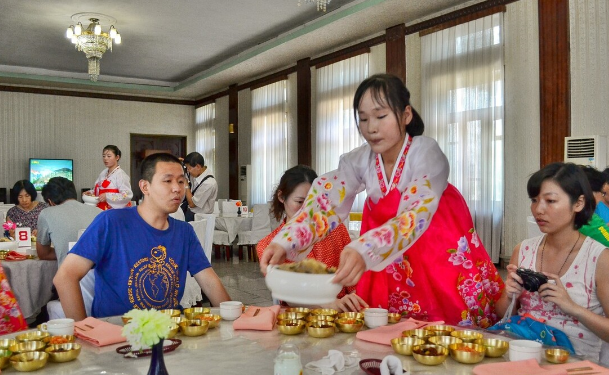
(263, 321)
(384, 334)
(98, 332)
(530, 366)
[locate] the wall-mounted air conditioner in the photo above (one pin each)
(245, 184)
(587, 150)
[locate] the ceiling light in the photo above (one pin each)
(321, 4)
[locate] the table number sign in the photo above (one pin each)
(244, 210)
(24, 237)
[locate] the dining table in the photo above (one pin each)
(226, 351)
(233, 225)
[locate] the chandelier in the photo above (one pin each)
(321, 4)
(92, 40)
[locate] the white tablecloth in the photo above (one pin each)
(233, 225)
(32, 283)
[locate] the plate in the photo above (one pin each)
(169, 345)
(372, 366)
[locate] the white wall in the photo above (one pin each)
(48, 126)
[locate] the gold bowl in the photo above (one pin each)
(7, 343)
(467, 352)
(194, 327)
(349, 325)
(441, 330)
(351, 315)
(430, 355)
(29, 361)
(125, 319)
(317, 318)
(394, 317)
(5, 356)
(213, 319)
(494, 347)
(63, 352)
(304, 310)
(291, 327)
(420, 333)
(467, 335)
(444, 341)
(173, 330)
(27, 346)
(321, 329)
(176, 319)
(192, 312)
(291, 315)
(58, 339)
(171, 312)
(556, 355)
(32, 336)
(325, 312)
(404, 345)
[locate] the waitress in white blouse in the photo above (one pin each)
(112, 179)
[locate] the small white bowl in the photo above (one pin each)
(91, 200)
(301, 289)
(374, 317)
(9, 245)
(521, 350)
(231, 310)
(117, 200)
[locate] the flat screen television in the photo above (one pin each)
(41, 170)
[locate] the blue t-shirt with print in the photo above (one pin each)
(603, 211)
(136, 265)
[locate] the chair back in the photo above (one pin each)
(262, 217)
(216, 208)
(204, 230)
(178, 215)
(229, 208)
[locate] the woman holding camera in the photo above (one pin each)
(575, 299)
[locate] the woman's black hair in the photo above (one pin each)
(389, 90)
(287, 184)
(114, 150)
(23, 185)
(572, 180)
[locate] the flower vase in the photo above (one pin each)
(157, 363)
(238, 211)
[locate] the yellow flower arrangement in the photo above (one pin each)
(146, 328)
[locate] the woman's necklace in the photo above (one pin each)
(567, 258)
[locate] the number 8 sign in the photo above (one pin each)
(23, 236)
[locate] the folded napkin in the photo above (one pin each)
(392, 365)
(98, 332)
(529, 367)
(257, 318)
(335, 361)
(384, 334)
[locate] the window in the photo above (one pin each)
(462, 96)
(205, 134)
(269, 139)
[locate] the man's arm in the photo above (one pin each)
(188, 196)
(45, 252)
(67, 282)
(212, 286)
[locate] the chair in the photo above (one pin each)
(178, 215)
(204, 230)
(219, 238)
(261, 227)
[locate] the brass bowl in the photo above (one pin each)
(29, 361)
(467, 335)
(420, 333)
(67, 339)
(63, 352)
(171, 312)
(351, 315)
(173, 330)
(317, 318)
(444, 341)
(7, 343)
(404, 345)
(291, 327)
(5, 356)
(176, 319)
(213, 319)
(438, 354)
(349, 325)
(32, 336)
(195, 327)
(440, 330)
(321, 329)
(291, 315)
(394, 317)
(494, 347)
(125, 319)
(304, 310)
(556, 355)
(326, 312)
(467, 352)
(27, 346)
(192, 312)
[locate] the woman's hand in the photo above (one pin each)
(351, 267)
(513, 284)
(273, 254)
(350, 302)
(554, 291)
(102, 197)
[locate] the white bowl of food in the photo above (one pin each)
(8, 244)
(91, 200)
(117, 200)
(307, 283)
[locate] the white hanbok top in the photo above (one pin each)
(117, 179)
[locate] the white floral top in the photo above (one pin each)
(424, 172)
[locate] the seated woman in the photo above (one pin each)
(27, 209)
(575, 300)
(288, 197)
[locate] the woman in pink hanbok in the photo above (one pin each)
(418, 246)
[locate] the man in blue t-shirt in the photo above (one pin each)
(140, 254)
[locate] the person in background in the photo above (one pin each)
(202, 194)
(576, 299)
(140, 254)
(598, 184)
(422, 268)
(605, 193)
(112, 179)
(27, 209)
(288, 198)
(60, 223)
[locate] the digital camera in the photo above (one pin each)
(531, 280)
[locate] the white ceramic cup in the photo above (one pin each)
(521, 350)
(58, 327)
(376, 317)
(231, 310)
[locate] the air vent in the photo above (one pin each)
(586, 150)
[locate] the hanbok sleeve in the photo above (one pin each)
(123, 184)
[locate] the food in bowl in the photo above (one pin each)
(306, 289)
(430, 355)
(308, 265)
(63, 352)
(349, 325)
(467, 353)
(467, 335)
(321, 329)
(91, 200)
(117, 200)
(291, 327)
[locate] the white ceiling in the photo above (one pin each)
(188, 49)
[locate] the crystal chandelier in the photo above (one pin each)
(321, 4)
(92, 40)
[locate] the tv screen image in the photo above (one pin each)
(41, 170)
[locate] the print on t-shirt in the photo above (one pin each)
(154, 281)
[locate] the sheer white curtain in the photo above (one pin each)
(269, 139)
(205, 134)
(336, 130)
(462, 106)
